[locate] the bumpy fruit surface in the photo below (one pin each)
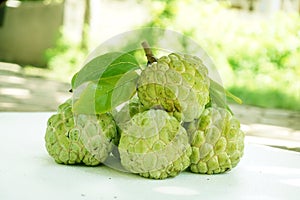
(98, 134)
(132, 107)
(176, 83)
(154, 145)
(64, 139)
(217, 142)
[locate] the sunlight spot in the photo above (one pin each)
(176, 190)
(7, 105)
(275, 142)
(12, 79)
(265, 128)
(10, 67)
(13, 4)
(17, 92)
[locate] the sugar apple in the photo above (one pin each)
(64, 139)
(128, 110)
(154, 145)
(98, 134)
(217, 141)
(176, 83)
(123, 114)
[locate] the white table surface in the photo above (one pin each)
(27, 172)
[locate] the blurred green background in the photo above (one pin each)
(255, 44)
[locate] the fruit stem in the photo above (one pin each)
(148, 52)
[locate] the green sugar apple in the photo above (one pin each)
(176, 83)
(87, 141)
(98, 134)
(128, 110)
(217, 141)
(154, 145)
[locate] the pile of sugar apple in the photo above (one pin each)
(169, 124)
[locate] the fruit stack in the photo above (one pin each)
(157, 121)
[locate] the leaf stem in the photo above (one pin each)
(148, 52)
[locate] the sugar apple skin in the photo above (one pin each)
(128, 110)
(64, 138)
(176, 83)
(154, 145)
(217, 141)
(98, 134)
(124, 114)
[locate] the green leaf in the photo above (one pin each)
(218, 91)
(106, 65)
(107, 93)
(218, 95)
(74, 79)
(104, 83)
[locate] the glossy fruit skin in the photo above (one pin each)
(154, 145)
(176, 83)
(64, 138)
(217, 141)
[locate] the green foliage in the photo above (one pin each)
(265, 66)
(257, 56)
(65, 59)
(163, 13)
(111, 80)
(276, 98)
(113, 64)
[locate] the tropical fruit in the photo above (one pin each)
(176, 83)
(217, 141)
(88, 141)
(153, 144)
